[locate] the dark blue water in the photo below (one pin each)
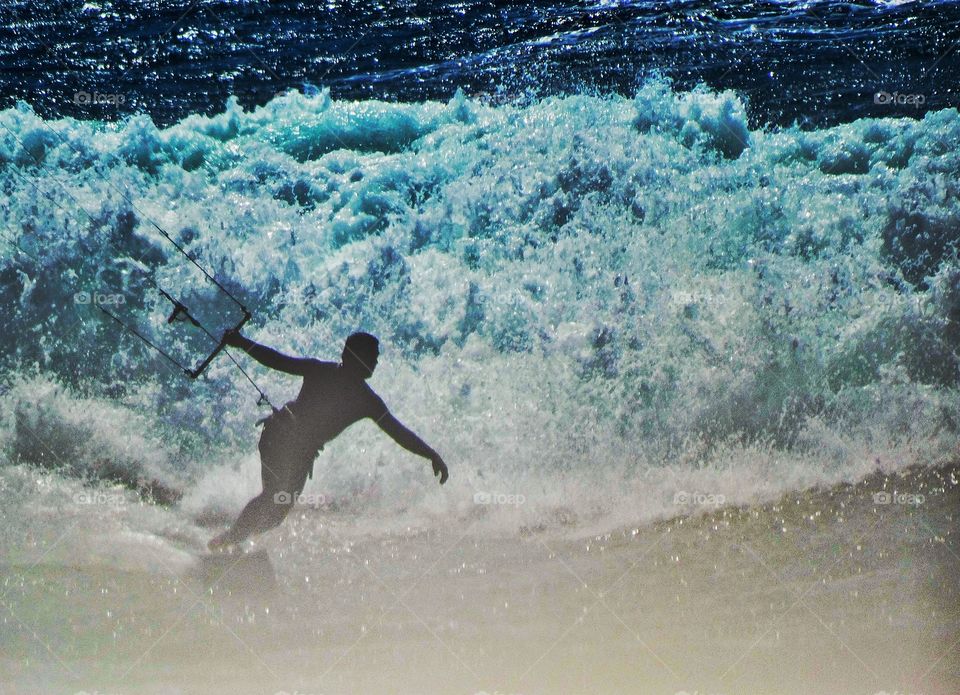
(815, 63)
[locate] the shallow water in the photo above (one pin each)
(822, 591)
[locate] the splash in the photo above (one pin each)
(593, 303)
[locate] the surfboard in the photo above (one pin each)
(236, 572)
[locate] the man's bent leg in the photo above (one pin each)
(262, 513)
(268, 509)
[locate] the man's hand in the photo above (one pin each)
(439, 468)
(412, 443)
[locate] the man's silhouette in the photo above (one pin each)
(333, 397)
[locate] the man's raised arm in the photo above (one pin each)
(412, 443)
(268, 357)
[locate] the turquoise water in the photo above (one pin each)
(573, 295)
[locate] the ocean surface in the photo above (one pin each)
(814, 62)
(673, 287)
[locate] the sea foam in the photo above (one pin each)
(592, 302)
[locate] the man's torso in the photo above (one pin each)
(330, 400)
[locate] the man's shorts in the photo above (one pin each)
(286, 454)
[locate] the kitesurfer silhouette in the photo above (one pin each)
(333, 397)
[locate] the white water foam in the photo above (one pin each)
(592, 303)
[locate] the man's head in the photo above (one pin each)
(360, 354)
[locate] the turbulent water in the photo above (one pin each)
(696, 380)
(811, 61)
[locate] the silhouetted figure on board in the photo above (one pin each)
(333, 397)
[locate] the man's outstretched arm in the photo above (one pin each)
(412, 443)
(268, 357)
